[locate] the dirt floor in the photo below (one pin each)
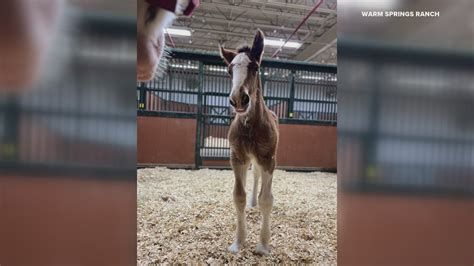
(187, 216)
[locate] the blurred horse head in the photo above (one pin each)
(27, 29)
(154, 16)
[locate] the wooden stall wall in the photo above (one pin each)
(375, 229)
(172, 142)
(307, 146)
(166, 141)
(64, 220)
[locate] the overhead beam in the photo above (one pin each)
(322, 50)
(258, 12)
(206, 47)
(223, 32)
(287, 6)
(246, 36)
(315, 48)
(242, 23)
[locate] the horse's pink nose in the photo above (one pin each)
(240, 101)
(148, 56)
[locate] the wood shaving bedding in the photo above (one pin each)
(188, 217)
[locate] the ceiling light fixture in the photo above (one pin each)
(178, 32)
(278, 43)
(183, 66)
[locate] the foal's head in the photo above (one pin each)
(243, 66)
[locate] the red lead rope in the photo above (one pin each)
(299, 26)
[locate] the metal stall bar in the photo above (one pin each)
(208, 102)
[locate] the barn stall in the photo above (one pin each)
(68, 144)
(184, 115)
(185, 208)
(405, 153)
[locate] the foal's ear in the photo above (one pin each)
(257, 47)
(227, 55)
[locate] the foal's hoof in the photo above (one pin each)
(262, 250)
(234, 248)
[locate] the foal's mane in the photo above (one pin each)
(244, 49)
(248, 51)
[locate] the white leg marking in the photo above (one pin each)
(265, 203)
(240, 173)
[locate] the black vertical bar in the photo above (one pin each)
(142, 101)
(205, 111)
(172, 72)
(9, 146)
(371, 139)
(199, 119)
(292, 94)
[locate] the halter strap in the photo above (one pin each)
(170, 5)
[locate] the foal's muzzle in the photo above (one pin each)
(241, 103)
(149, 53)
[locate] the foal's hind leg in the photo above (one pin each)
(265, 203)
(256, 176)
(240, 172)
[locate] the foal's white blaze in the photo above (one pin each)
(239, 72)
(239, 75)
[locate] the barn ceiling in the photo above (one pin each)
(233, 23)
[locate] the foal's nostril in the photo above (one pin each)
(245, 99)
(232, 102)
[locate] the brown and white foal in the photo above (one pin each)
(253, 138)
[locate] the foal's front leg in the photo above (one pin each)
(265, 203)
(240, 172)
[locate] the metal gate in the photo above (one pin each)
(197, 85)
(215, 115)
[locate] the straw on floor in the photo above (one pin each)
(187, 216)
